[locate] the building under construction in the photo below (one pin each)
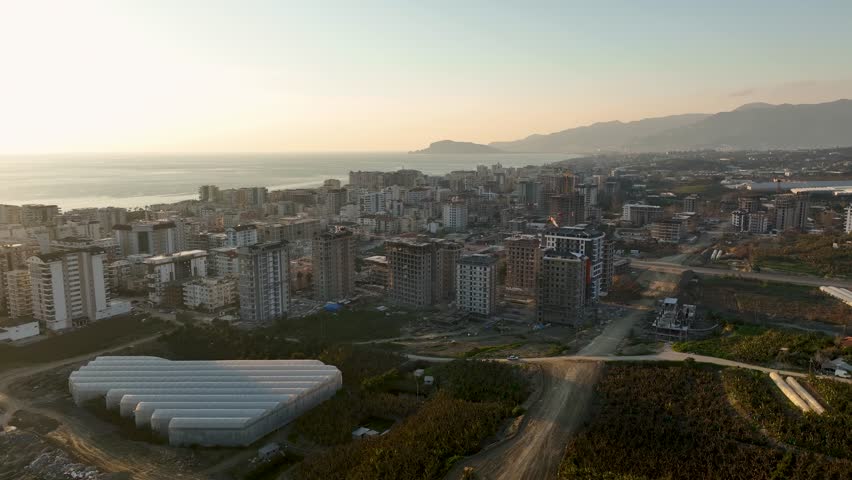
(673, 319)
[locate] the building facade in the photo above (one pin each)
(333, 255)
(152, 238)
(560, 293)
(264, 282)
(585, 241)
(69, 288)
(640, 214)
(454, 215)
(165, 270)
(210, 294)
(523, 260)
(476, 284)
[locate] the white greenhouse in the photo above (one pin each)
(208, 403)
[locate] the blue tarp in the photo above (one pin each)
(333, 307)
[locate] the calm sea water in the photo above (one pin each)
(139, 180)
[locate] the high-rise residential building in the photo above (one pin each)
(529, 192)
(455, 215)
(242, 235)
(10, 214)
(290, 230)
(223, 262)
(331, 183)
(567, 208)
(791, 211)
(36, 214)
(368, 180)
(264, 282)
(447, 254)
(18, 293)
(523, 260)
(587, 242)
(333, 256)
(849, 219)
(109, 217)
(640, 214)
(165, 270)
(152, 238)
(690, 203)
(750, 221)
(335, 199)
(411, 271)
(69, 288)
(371, 202)
(208, 193)
(749, 203)
(758, 222)
(210, 294)
(476, 284)
(421, 273)
(668, 231)
(608, 264)
(560, 293)
(251, 196)
(13, 256)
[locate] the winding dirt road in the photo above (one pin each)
(535, 453)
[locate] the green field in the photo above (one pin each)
(688, 421)
(789, 265)
(752, 298)
(91, 338)
(763, 346)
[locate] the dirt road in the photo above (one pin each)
(537, 449)
(78, 436)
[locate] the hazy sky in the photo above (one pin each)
(242, 75)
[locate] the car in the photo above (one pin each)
(513, 358)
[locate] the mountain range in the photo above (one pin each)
(754, 126)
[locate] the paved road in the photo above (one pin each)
(809, 280)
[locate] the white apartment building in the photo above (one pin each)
(224, 262)
(476, 284)
(455, 216)
(640, 214)
(69, 288)
(371, 202)
(849, 219)
(162, 270)
(152, 238)
(264, 282)
(584, 241)
(241, 235)
(210, 294)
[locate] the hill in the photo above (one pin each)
(752, 126)
(450, 146)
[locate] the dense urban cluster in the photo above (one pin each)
(549, 237)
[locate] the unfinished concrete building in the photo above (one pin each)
(523, 261)
(561, 287)
(421, 273)
(333, 256)
(673, 319)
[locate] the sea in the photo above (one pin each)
(131, 181)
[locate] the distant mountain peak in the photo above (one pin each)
(451, 146)
(753, 106)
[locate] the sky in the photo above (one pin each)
(347, 75)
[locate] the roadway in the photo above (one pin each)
(808, 280)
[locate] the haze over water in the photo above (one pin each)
(128, 180)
